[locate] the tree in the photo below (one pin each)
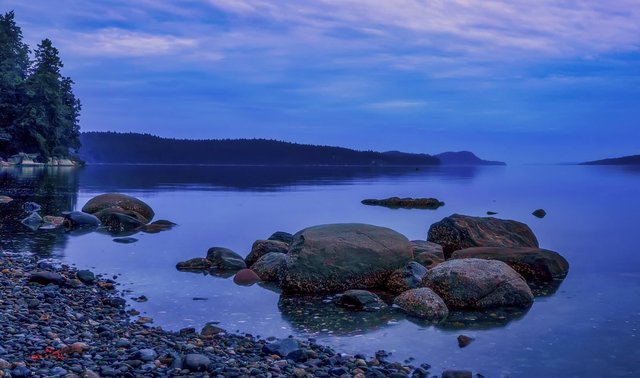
(14, 63)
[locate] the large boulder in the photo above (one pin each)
(426, 253)
(225, 259)
(478, 284)
(339, 257)
(262, 247)
(458, 232)
(118, 200)
(422, 303)
(534, 264)
(269, 267)
(408, 277)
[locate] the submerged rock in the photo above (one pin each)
(225, 259)
(262, 247)
(422, 303)
(458, 232)
(339, 257)
(405, 203)
(408, 277)
(540, 213)
(534, 264)
(118, 200)
(464, 341)
(127, 240)
(360, 300)
(157, 226)
(478, 284)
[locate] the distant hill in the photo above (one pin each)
(464, 158)
(133, 148)
(625, 160)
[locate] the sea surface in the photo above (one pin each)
(587, 327)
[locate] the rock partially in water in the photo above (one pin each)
(458, 232)
(340, 257)
(464, 341)
(246, 277)
(540, 213)
(50, 222)
(534, 264)
(406, 278)
(78, 219)
(422, 303)
(360, 300)
(282, 236)
(478, 284)
(117, 223)
(32, 221)
(262, 247)
(195, 264)
(86, 276)
(225, 259)
(118, 200)
(270, 266)
(157, 226)
(405, 203)
(211, 330)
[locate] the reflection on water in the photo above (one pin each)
(590, 222)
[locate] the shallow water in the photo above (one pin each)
(588, 327)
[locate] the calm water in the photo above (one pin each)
(588, 327)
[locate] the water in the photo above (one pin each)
(588, 327)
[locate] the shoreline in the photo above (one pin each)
(54, 324)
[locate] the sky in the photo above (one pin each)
(540, 81)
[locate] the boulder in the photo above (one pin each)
(458, 232)
(405, 203)
(360, 300)
(78, 219)
(339, 257)
(282, 236)
(426, 253)
(123, 201)
(408, 277)
(262, 247)
(478, 284)
(422, 303)
(195, 264)
(116, 222)
(246, 277)
(225, 259)
(269, 267)
(534, 264)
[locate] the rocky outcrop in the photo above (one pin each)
(262, 247)
(360, 300)
(458, 232)
(339, 257)
(426, 253)
(478, 284)
(422, 303)
(405, 203)
(408, 277)
(534, 264)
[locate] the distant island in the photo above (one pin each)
(135, 148)
(464, 158)
(625, 160)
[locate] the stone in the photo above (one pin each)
(33, 221)
(540, 213)
(157, 226)
(195, 264)
(21, 372)
(458, 232)
(408, 277)
(118, 222)
(196, 362)
(534, 264)
(78, 219)
(464, 341)
(426, 253)
(123, 201)
(360, 300)
(52, 221)
(282, 348)
(46, 278)
(405, 203)
(478, 284)
(422, 303)
(31, 207)
(262, 247)
(225, 259)
(246, 277)
(87, 277)
(270, 266)
(340, 257)
(282, 236)
(146, 355)
(211, 330)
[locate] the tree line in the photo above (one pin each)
(39, 113)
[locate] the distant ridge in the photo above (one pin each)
(625, 160)
(135, 148)
(464, 158)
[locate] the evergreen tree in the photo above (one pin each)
(14, 62)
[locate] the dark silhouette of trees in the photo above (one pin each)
(38, 110)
